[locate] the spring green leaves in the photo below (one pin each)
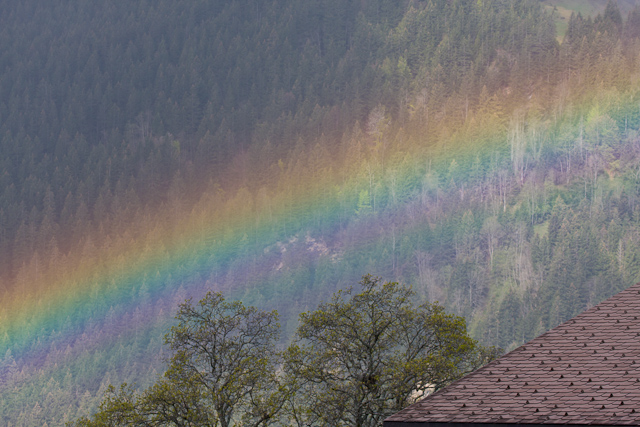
(355, 360)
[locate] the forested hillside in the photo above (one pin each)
(278, 151)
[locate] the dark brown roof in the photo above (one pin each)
(585, 371)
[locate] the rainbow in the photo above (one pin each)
(254, 242)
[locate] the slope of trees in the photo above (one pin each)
(453, 145)
(112, 111)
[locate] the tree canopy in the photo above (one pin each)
(355, 360)
(372, 351)
(223, 367)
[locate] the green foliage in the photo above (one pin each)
(222, 369)
(365, 355)
(356, 360)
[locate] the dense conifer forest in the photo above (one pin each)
(277, 151)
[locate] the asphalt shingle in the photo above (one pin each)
(585, 371)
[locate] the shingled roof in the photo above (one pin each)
(585, 372)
